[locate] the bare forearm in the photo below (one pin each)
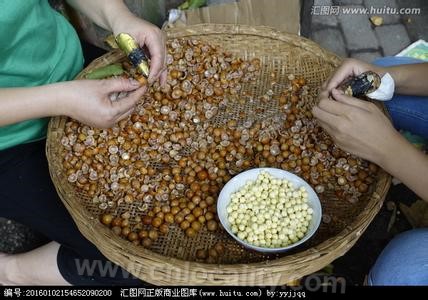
(410, 79)
(20, 104)
(409, 165)
(104, 13)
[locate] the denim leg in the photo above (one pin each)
(408, 113)
(404, 261)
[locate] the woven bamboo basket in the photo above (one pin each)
(172, 260)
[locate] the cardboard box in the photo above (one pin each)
(283, 15)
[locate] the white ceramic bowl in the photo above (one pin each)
(241, 179)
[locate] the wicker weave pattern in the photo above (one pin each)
(171, 261)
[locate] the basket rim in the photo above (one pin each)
(327, 251)
(260, 30)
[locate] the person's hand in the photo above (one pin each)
(350, 67)
(356, 126)
(89, 100)
(147, 35)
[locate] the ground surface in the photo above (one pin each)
(353, 35)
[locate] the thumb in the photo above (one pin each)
(129, 102)
(120, 84)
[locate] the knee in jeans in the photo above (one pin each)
(395, 60)
(400, 260)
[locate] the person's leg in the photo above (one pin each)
(408, 113)
(404, 261)
(28, 196)
(42, 258)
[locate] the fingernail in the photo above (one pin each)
(134, 82)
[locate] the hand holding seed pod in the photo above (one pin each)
(362, 85)
(135, 54)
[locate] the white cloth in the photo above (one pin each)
(385, 90)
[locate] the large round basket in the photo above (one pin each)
(171, 261)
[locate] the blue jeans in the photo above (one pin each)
(404, 261)
(408, 113)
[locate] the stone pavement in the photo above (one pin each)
(334, 27)
(17, 238)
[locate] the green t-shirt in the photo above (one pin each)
(37, 46)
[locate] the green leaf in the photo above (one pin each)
(184, 5)
(191, 4)
(197, 3)
(329, 269)
(104, 72)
